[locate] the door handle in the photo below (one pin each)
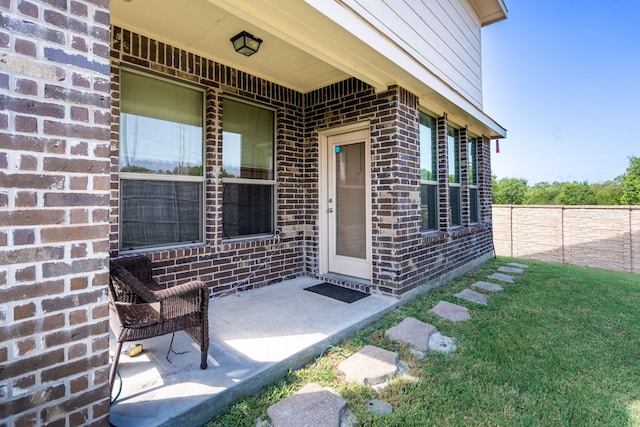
(330, 210)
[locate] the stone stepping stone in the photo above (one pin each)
(473, 296)
(449, 311)
(501, 277)
(442, 344)
(312, 405)
(379, 407)
(488, 286)
(518, 265)
(411, 331)
(370, 366)
(511, 270)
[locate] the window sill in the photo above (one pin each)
(167, 248)
(433, 236)
(258, 238)
(436, 236)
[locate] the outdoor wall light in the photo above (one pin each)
(246, 43)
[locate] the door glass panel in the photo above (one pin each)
(350, 201)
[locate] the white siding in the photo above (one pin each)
(443, 35)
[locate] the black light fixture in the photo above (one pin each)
(246, 43)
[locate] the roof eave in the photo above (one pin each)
(490, 11)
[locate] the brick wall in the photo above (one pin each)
(54, 210)
(433, 255)
(596, 236)
(225, 266)
(393, 118)
(485, 215)
(403, 257)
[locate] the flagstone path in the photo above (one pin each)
(316, 406)
(473, 296)
(450, 311)
(502, 277)
(488, 286)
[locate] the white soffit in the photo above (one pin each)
(490, 11)
(205, 29)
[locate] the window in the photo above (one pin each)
(453, 147)
(161, 162)
(247, 166)
(428, 172)
(473, 179)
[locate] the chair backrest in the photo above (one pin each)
(127, 280)
(138, 265)
(128, 288)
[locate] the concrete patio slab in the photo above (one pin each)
(473, 296)
(449, 311)
(501, 277)
(487, 286)
(255, 338)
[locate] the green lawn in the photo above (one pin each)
(561, 347)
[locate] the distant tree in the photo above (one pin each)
(577, 193)
(631, 183)
(509, 191)
(426, 175)
(608, 193)
(543, 193)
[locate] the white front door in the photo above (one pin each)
(346, 206)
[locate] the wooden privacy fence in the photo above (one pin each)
(596, 236)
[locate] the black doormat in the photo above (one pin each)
(337, 292)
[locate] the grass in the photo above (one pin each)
(561, 347)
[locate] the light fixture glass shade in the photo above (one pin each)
(246, 43)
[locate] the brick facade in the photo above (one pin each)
(59, 133)
(225, 266)
(403, 257)
(595, 236)
(54, 211)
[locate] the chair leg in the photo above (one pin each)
(204, 348)
(114, 367)
(203, 359)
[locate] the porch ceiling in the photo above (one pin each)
(302, 48)
(206, 29)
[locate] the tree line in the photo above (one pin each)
(623, 190)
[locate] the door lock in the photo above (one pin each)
(330, 210)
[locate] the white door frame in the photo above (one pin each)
(362, 132)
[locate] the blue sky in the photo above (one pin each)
(563, 76)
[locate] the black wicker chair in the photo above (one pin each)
(140, 308)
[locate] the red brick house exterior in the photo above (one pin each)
(61, 203)
(54, 199)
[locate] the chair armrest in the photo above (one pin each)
(183, 300)
(182, 289)
(130, 283)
